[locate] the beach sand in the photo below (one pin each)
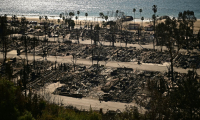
(145, 23)
(197, 25)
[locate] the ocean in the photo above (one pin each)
(94, 7)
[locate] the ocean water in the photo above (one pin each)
(93, 7)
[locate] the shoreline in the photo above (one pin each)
(80, 17)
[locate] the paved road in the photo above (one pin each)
(83, 103)
(134, 65)
(118, 44)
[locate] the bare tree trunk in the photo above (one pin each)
(172, 69)
(171, 60)
(138, 35)
(24, 79)
(25, 40)
(154, 35)
(5, 54)
(92, 56)
(113, 40)
(34, 54)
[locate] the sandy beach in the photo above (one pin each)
(77, 22)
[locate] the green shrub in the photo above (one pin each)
(27, 116)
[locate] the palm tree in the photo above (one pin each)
(76, 19)
(40, 17)
(154, 8)
(86, 14)
(142, 18)
(154, 17)
(63, 19)
(106, 18)
(134, 16)
(60, 15)
(116, 15)
(101, 15)
(58, 21)
(46, 18)
(71, 14)
(78, 12)
(140, 12)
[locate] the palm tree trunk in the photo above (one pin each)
(134, 20)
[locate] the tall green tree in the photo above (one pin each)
(8, 110)
(3, 35)
(160, 29)
(186, 21)
(169, 33)
(186, 96)
(178, 102)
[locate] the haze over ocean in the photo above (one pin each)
(93, 7)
